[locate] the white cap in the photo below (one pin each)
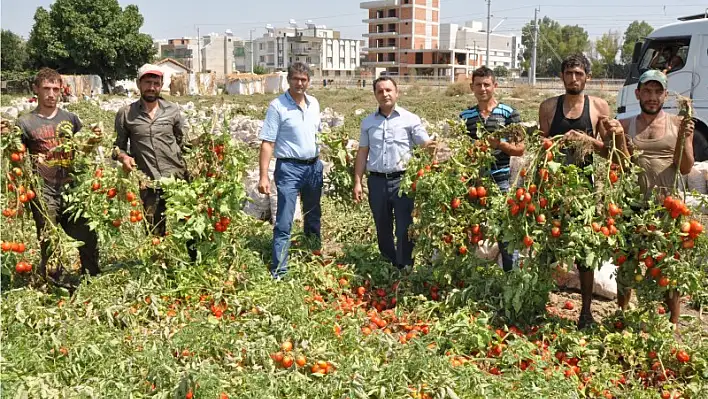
(149, 69)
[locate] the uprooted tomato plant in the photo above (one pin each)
(343, 323)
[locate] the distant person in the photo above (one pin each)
(40, 136)
(289, 132)
(493, 115)
(657, 135)
(386, 143)
(667, 60)
(150, 136)
(578, 117)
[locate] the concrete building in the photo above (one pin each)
(217, 54)
(398, 27)
(184, 50)
(323, 49)
(504, 50)
(405, 38)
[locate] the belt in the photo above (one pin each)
(390, 175)
(300, 161)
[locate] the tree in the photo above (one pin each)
(555, 42)
(607, 47)
(13, 57)
(501, 71)
(635, 32)
(259, 70)
(90, 37)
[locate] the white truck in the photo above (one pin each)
(687, 39)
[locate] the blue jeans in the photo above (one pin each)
(291, 179)
(504, 185)
(385, 203)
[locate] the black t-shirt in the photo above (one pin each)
(40, 136)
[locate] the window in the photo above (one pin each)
(392, 13)
(261, 58)
(260, 46)
(418, 58)
(341, 61)
(337, 73)
(391, 27)
(329, 60)
(392, 42)
(353, 61)
(308, 60)
(665, 54)
(379, 28)
(406, 1)
(379, 14)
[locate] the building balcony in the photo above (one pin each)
(380, 49)
(366, 5)
(381, 34)
(382, 20)
(379, 63)
(432, 65)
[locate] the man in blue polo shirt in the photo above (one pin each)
(289, 132)
(493, 115)
(386, 144)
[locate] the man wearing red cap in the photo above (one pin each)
(150, 136)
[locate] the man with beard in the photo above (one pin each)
(40, 136)
(493, 115)
(578, 117)
(386, 144)
(290, 133)
(658, 136)
(150, 136)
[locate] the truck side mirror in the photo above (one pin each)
(637, 52)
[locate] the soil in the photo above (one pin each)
(602, 308)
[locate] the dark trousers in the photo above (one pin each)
(293, 178)
(76, 229)
(387, 206)
(155, 207)
(502, 180)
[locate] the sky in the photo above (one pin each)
(165, 19)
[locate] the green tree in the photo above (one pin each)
(635, 31)
(606, 49)
(90, 37)
(555, 42)
(13, 57)
(501, 71)
(259, 70)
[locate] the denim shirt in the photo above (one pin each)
(292, 129)
(391, 139)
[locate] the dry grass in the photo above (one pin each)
(460, 88)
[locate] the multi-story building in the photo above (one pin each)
(504, 50)
(218, 54)
(406, 38)
(323, 49)
(399, 32)
(184, 51)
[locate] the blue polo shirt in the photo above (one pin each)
(391, 139)
(292, 129)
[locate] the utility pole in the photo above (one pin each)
(489, 30)
(199, 50)
(250, 35)
(532, 73)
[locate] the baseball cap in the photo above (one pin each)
(149, 69)
(654, 75)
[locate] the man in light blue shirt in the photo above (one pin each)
(289, 132)
(388, 137)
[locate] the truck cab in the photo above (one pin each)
(680, 49)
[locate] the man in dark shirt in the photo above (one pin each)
(150, 136)
(493, 115)
(39, 134)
